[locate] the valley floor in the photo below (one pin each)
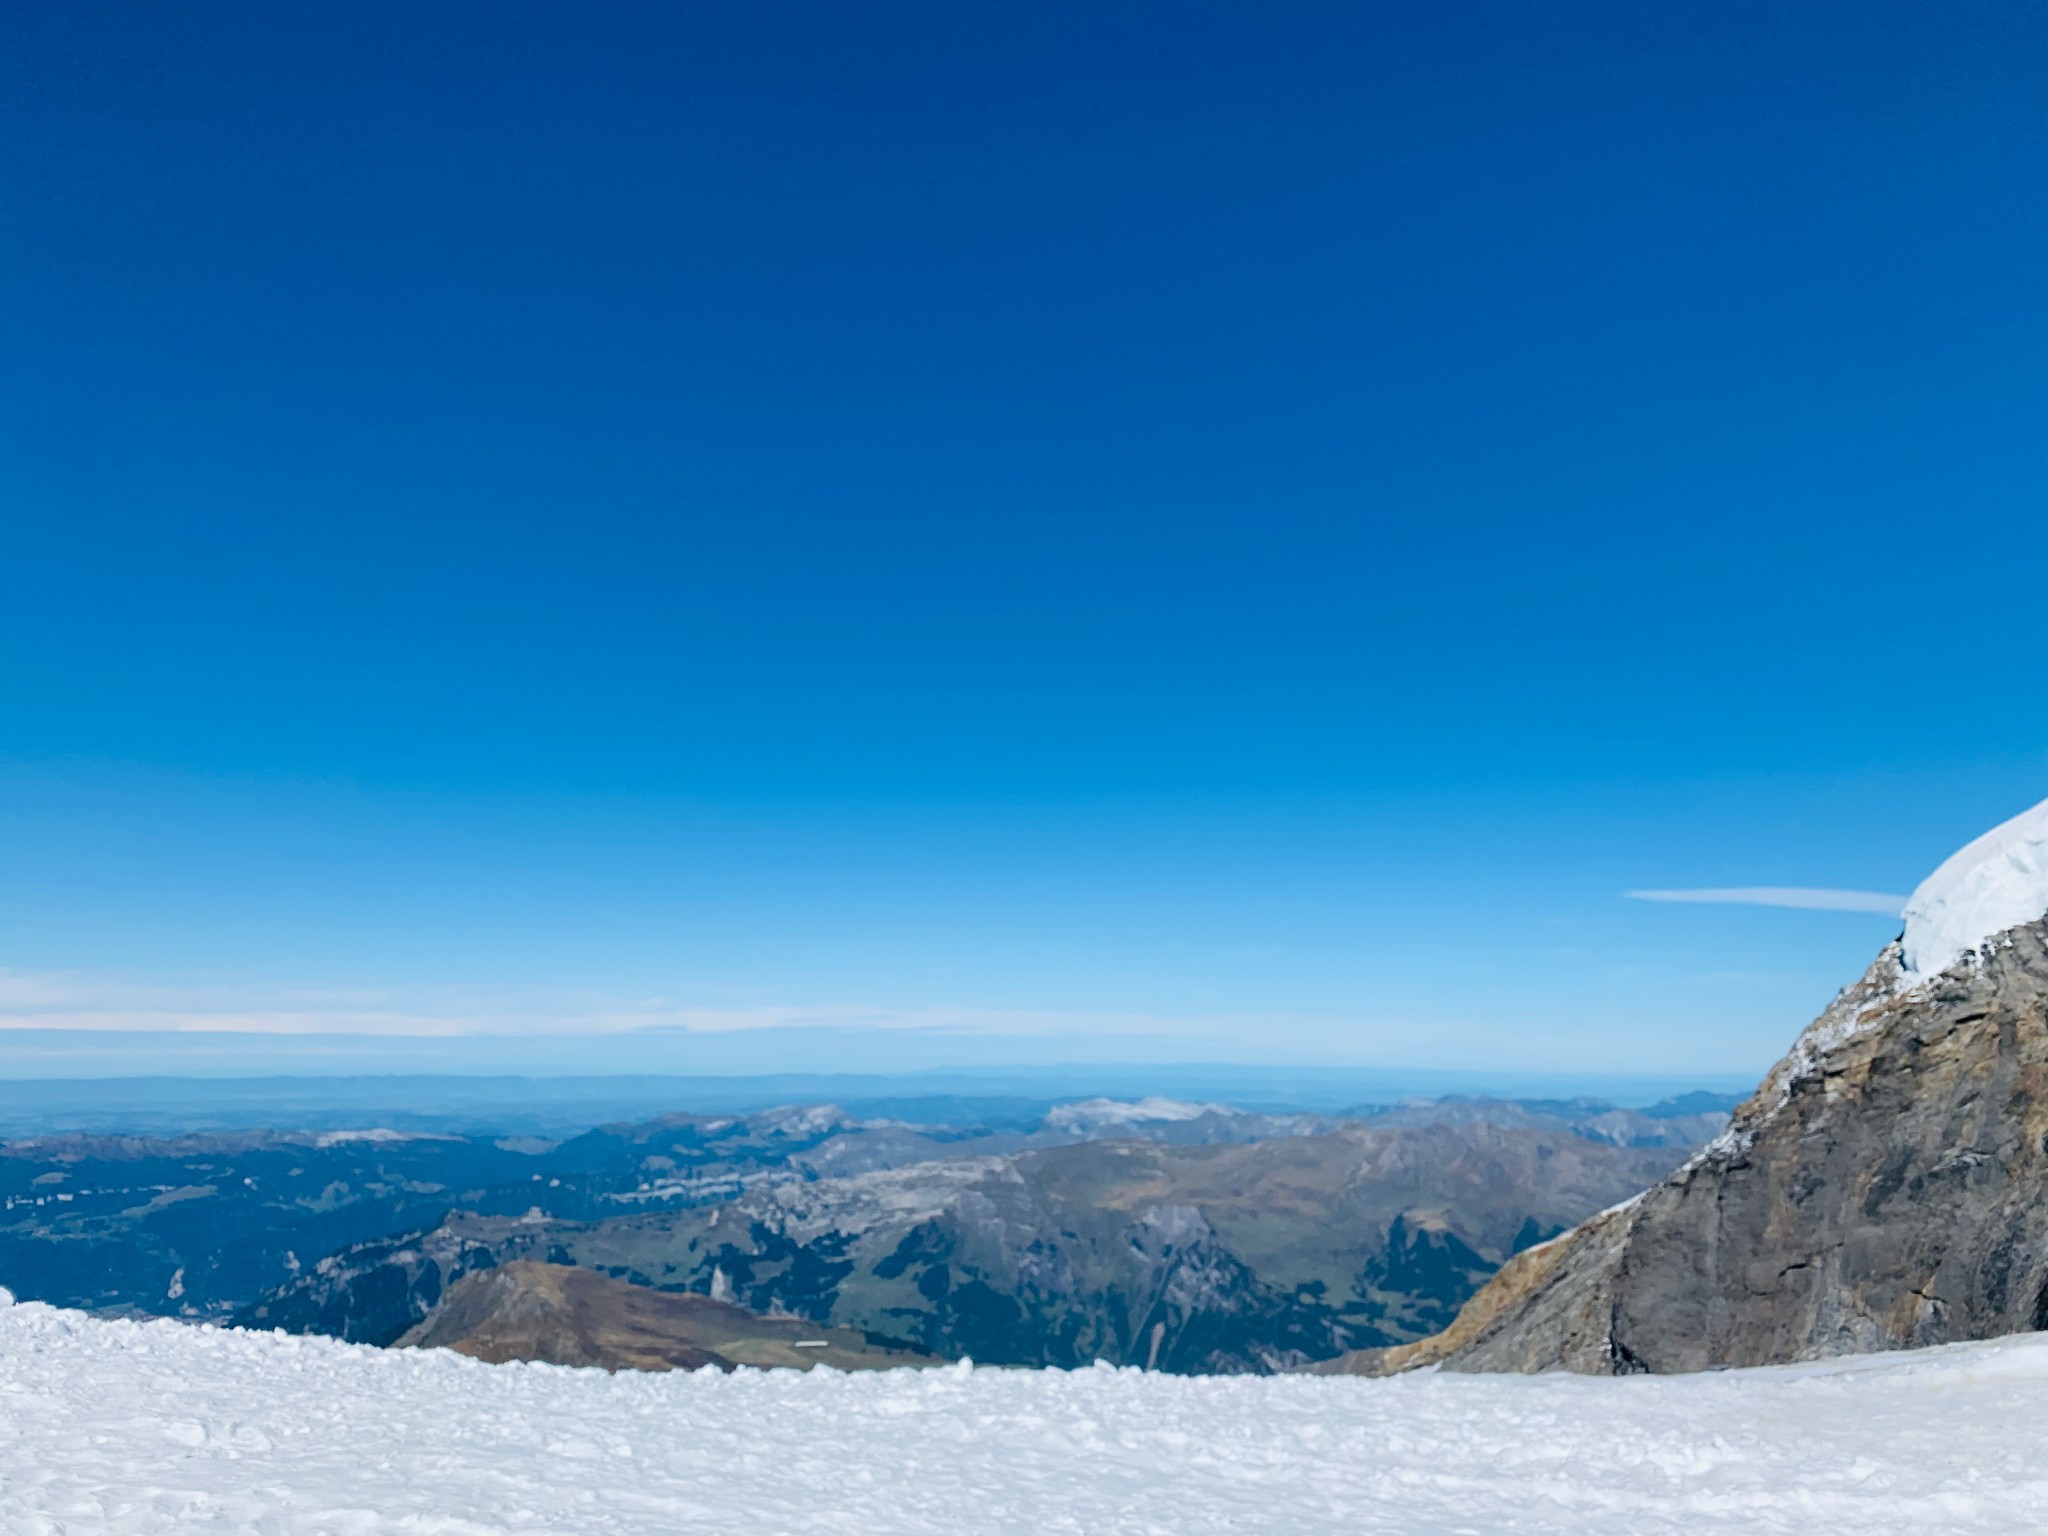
(156, 1427)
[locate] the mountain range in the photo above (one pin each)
(1179, 1237)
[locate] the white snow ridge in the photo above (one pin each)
(139, 1429)
(1085, 1113)
(1997, 882)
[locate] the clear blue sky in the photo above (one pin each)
(901, 534)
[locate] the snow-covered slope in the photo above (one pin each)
(156, 1427)
(1088, 1114)
(1997, 882)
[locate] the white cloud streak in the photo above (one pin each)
(1811, 898)
(80, 1003)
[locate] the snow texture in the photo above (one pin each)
(1997, 882)
(1092, 1112)
(153, 1427)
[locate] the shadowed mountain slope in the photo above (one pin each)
(532, 1311)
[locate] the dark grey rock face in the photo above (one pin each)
(1885, 1188)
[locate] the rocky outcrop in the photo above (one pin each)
(1885, 1188)
(549, 1312)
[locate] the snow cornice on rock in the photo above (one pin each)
(1995, 883)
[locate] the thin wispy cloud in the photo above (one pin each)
(81, 1003)
(1810, 897)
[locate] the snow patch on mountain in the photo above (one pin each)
(1996, 882)
(133, 1429)
(804, 1119)
(380, 1135)
(1086, 1114)
(887, 1197)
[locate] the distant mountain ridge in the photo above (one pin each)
(560, 1107)
(1209, 1251)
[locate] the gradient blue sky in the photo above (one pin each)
(887, 535)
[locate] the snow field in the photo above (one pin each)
(161, 1427)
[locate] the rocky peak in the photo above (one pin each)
(1885, 1187)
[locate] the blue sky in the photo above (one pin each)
(751, 536)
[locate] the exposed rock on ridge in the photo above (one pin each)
(531, 1311)
(1886, 1187)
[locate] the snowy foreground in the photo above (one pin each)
(159, 1427)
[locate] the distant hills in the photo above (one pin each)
(559, 1107)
